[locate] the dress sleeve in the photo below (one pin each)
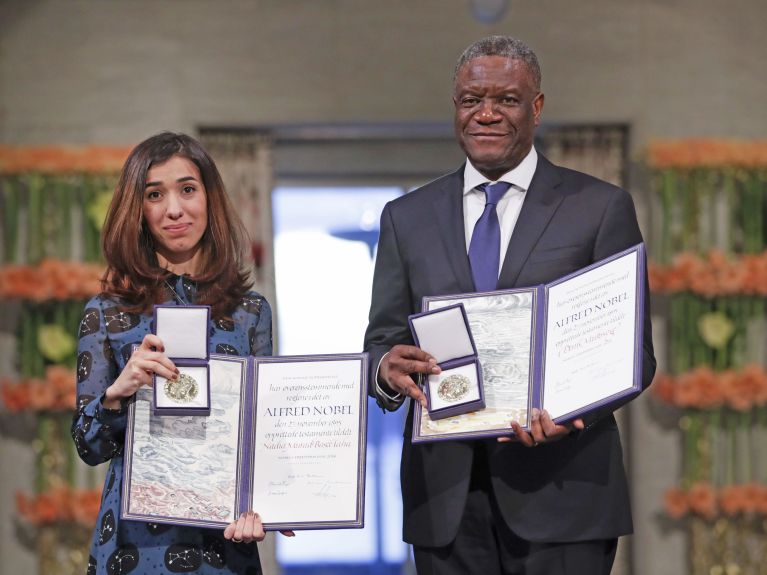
(260, 334)
(98, 432)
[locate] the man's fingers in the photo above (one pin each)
(405, 385)
(550, 429)
(536, 429)
(411, 359)
(522, 436)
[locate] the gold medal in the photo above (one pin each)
(182, 390)
(453, 388)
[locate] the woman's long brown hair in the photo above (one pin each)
(133, 274)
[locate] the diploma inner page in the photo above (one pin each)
(590, 336)
(307, 442)
(184, 467)
(501, 325)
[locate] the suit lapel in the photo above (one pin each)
(541, 201)
(449, 214)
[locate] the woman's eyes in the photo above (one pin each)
(153, 195)
(189, 189)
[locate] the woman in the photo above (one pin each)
(170, 236)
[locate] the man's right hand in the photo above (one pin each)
(399, 363)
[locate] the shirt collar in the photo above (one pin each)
(520, 177)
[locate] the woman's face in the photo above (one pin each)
(176, 212)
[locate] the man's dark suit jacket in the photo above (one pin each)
(571, 490)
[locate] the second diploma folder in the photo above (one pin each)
(572, 346)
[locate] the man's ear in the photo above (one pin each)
(538, 107)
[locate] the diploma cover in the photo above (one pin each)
(286, 437)
(570, 346)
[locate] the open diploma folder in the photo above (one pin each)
(285, 437)
(569, 346)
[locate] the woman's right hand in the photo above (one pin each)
(146, 361)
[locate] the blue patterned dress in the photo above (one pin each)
(107, 336)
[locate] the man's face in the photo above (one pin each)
(497, 108)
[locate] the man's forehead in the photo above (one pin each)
(488, 65)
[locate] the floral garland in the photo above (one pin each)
(60, 505)
(707, 502)
(711, 275)
(703, 388)
(56, 392)
(51, 280)
(697, 153)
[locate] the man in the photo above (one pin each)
(555, 500)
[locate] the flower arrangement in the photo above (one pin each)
(58, 160)
(51, 280)
(55, 392)
(711, 275)
(702, 388)
(708, 502)
(61, 504)
(696, 153)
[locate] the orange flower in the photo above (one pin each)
(731, 500)
(751, 494)
(709, 392)
(753, 382)
(15, 395)
(41, 395)
(702, 500)
(675, 501)
(55, 393)
(686, 390)
(657, 277)
(59, 504)
(85, 508)
(703, 152)
(761, 500)
(732, 390)
(52, 279)
(663, 387)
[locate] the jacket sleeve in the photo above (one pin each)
(98, 432)
(390, 303)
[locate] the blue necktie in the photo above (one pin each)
(485, 245)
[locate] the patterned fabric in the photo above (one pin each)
(107, 336)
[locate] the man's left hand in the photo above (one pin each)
(542, 430)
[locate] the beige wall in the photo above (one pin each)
(109, 72)
(95, 72)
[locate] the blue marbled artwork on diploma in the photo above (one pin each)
(186, 466)
(501, 325)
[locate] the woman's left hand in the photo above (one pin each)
(248, 528)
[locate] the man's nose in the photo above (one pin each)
(487, 112)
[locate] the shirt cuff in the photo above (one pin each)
(387, 397)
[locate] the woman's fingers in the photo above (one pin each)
(152, 343)
(247, 528)
(164, 369)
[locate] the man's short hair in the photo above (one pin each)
(502, 46)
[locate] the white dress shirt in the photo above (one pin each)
(474, 204)
(508, 208)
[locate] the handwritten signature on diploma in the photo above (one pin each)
(321, 487)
